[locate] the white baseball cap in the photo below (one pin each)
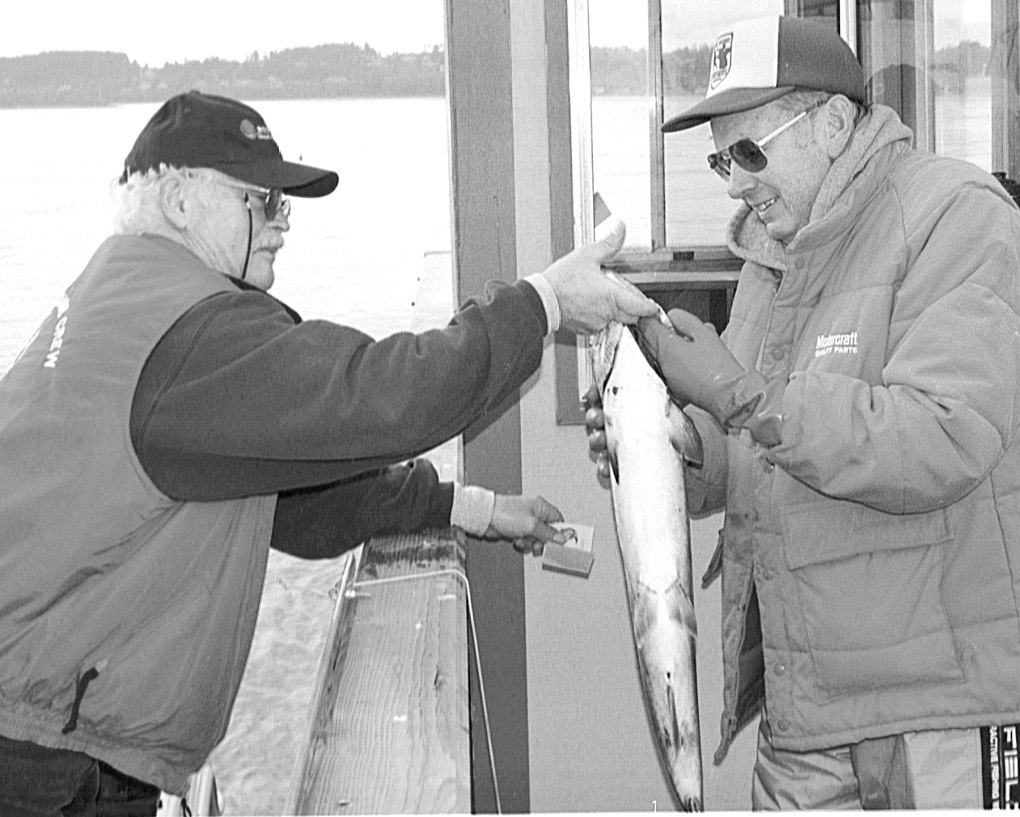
(757, 61)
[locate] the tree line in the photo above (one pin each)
(94, 78)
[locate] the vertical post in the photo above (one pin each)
(656, 92)
(561, 190)
(479, 84)
(1005, 72)
(923, 57)
(579, 72)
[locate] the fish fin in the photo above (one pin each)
(681, 607)
(614, 465)
(685, 611)
(685, 437)
(602, 354)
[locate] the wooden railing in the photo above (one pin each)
(389, 727)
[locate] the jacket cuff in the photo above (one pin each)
(472, 508)
(760, 408)
(550, 303)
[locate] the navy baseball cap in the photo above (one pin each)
(202, 130)
(757, 61)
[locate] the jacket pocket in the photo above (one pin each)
(869, 591)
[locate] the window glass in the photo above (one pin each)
(962, 84)
(942, 65)
(620, 112)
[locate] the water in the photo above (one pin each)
(353, 257)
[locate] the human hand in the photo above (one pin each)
(695, 363)
(525, 520)
(588, 297)
(595, 422)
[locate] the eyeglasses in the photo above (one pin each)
(748, 153)
(273, 202)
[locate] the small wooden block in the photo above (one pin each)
(575, 557)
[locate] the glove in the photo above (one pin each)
(595, 423)
(699, 369)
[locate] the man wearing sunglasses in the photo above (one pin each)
(860, 416)
(171, 421)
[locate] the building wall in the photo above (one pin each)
(590, 747)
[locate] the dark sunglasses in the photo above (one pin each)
(748, 153)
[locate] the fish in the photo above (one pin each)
(648, 440)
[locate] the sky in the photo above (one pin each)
(156, 33)
(197, 29)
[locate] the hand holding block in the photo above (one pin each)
(573, 557)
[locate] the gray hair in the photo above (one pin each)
(138, 207)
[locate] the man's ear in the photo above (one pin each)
(839, 116)
(172, 202)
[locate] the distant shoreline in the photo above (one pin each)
(87, 79)
(249, 97)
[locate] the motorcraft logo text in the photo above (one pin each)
(58, 334)
(845, 344)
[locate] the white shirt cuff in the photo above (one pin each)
(472, 508)
(549, 300)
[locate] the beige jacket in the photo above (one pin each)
(880, 540)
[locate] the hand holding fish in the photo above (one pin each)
(699, 369)
(525, 520)
(589, 298)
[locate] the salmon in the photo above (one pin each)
(645, 430)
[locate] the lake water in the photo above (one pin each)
(354, 257)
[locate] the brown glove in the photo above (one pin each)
(699, 369)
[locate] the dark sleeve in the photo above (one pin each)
(324, 521)
(241, 398)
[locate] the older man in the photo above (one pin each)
(860, 419)
(171, 421)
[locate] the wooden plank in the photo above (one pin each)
(389, 730)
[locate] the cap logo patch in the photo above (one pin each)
(721, 60)
(252, 131)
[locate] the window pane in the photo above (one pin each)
(697, 207)
(620, 113)
(963, 87)
(934, 62)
